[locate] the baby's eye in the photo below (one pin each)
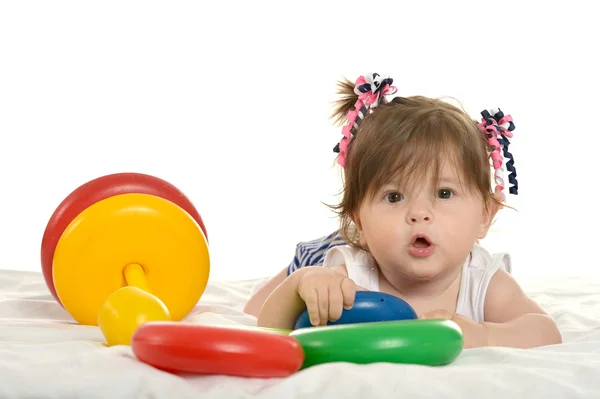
(393, 197)
(445, 193)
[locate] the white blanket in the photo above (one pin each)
(44, 354)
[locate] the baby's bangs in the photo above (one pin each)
(423, 151)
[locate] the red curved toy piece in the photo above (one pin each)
(97, 190)
(201, 349)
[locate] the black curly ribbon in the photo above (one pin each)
(512, 176)
(496, 120)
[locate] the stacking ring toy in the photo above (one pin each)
(98, 190)
(125, 258)
(430, 342)
(369, 306)
(194, 348)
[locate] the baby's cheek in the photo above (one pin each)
(459, 234)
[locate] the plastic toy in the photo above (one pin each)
(202, 349)
(369, 306)
(425, 342)
(126, 230)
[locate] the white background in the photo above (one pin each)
(229, 101)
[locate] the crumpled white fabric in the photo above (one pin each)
(44, 354)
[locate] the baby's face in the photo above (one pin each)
(424, 233)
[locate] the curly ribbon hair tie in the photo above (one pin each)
(370, 89)
(498, 128)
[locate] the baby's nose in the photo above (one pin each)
(419, 214)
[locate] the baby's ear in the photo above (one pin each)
(362, 240)
(358, 229)
(489, 213)
(356, 220)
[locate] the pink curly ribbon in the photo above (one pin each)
(347, 130)
(370, 90)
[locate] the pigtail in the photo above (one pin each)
(345, 102)
(356, 102)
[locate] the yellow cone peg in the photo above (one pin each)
(130, 307)
(134, 275)
(127, 309)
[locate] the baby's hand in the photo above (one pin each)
(326, 293)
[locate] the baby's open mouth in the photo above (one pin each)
(421, 242)
(421, 246)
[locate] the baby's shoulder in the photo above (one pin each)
(347, 255)
(478, 271)
(483, 261)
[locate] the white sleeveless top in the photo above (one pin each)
(478, 269)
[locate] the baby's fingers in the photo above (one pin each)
(348, 293)
(336, 302)
(323, 293)
(311, 299)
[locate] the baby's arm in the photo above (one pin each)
(512, 319)
(323, 291)
(258, 299)
(283, 305)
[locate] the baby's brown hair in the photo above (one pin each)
(408, 139)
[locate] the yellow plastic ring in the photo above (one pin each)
(97, 247)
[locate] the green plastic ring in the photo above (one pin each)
(431, 342)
